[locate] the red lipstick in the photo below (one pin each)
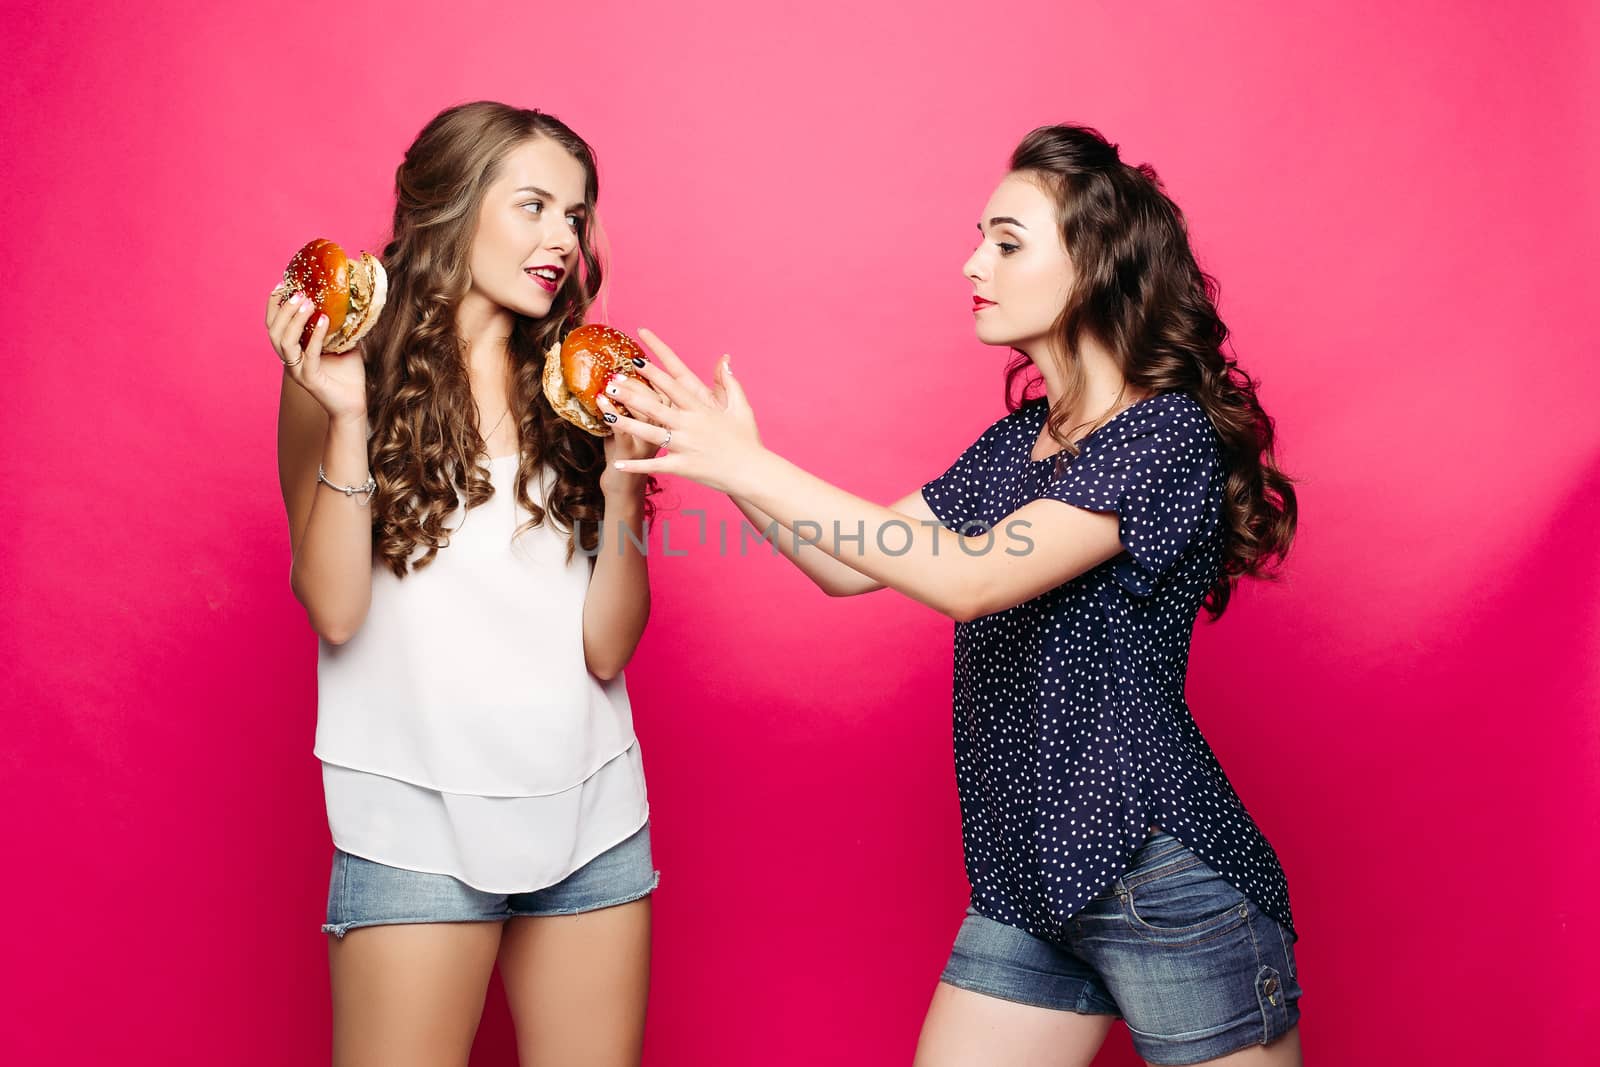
(549, 285)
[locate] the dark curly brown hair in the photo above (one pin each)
(1140, 292)
(426, 443)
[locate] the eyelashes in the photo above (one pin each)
(575, 221)
(1006, 247)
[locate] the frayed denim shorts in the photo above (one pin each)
(1190, 963)
(364, 893)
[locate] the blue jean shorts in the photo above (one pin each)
(364, 893)
(1190, 963)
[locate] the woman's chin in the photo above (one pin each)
(536, 306)
(991, 336)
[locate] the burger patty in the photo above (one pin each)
(360, 296)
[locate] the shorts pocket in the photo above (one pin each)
(1188, 902)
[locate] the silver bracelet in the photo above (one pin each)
(361, 494)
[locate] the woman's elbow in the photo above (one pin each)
(335, 631)
(604, 662)
(605, 671)
(332, 626)
(849, 588)
(966, 606)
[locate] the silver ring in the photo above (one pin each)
(667, 440)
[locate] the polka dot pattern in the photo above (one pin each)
(1072, 733)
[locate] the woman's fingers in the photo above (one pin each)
(659, 396)
(291, 325)
(278, 310)
(653, 435)
(719, 382)
(275, 301)
(669, 387)
(611, 410)
(313, 353)
(732, 389)
(676, 367)
(640, 400)
(280, 326)
(666, 355)
(667, 464)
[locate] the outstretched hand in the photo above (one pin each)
(709, 431)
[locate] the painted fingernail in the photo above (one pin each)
(609, 417)
(638, 361)
(612, 390)
(322, 320)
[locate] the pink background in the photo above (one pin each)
(1399, 204)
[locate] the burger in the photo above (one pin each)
(349, 291)
(577, 371)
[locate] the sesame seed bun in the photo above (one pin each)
(562, 399)
(349, 293)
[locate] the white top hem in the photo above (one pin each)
(424, 783)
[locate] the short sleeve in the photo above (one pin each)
(1161, 475)
(956, 496)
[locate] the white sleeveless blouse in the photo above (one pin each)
(460, 731)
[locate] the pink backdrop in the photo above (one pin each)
(1399, 203)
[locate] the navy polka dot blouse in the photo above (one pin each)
(1072, 735)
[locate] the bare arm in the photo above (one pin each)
(1036, 548)
(330, 534)
(834, 576)
(617, 604)
(322, 419)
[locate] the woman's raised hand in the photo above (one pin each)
(338, 383)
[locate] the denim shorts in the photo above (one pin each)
(1190, 963)
(364, 893)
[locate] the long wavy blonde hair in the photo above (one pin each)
(426, 443)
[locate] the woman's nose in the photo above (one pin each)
(563, 239)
